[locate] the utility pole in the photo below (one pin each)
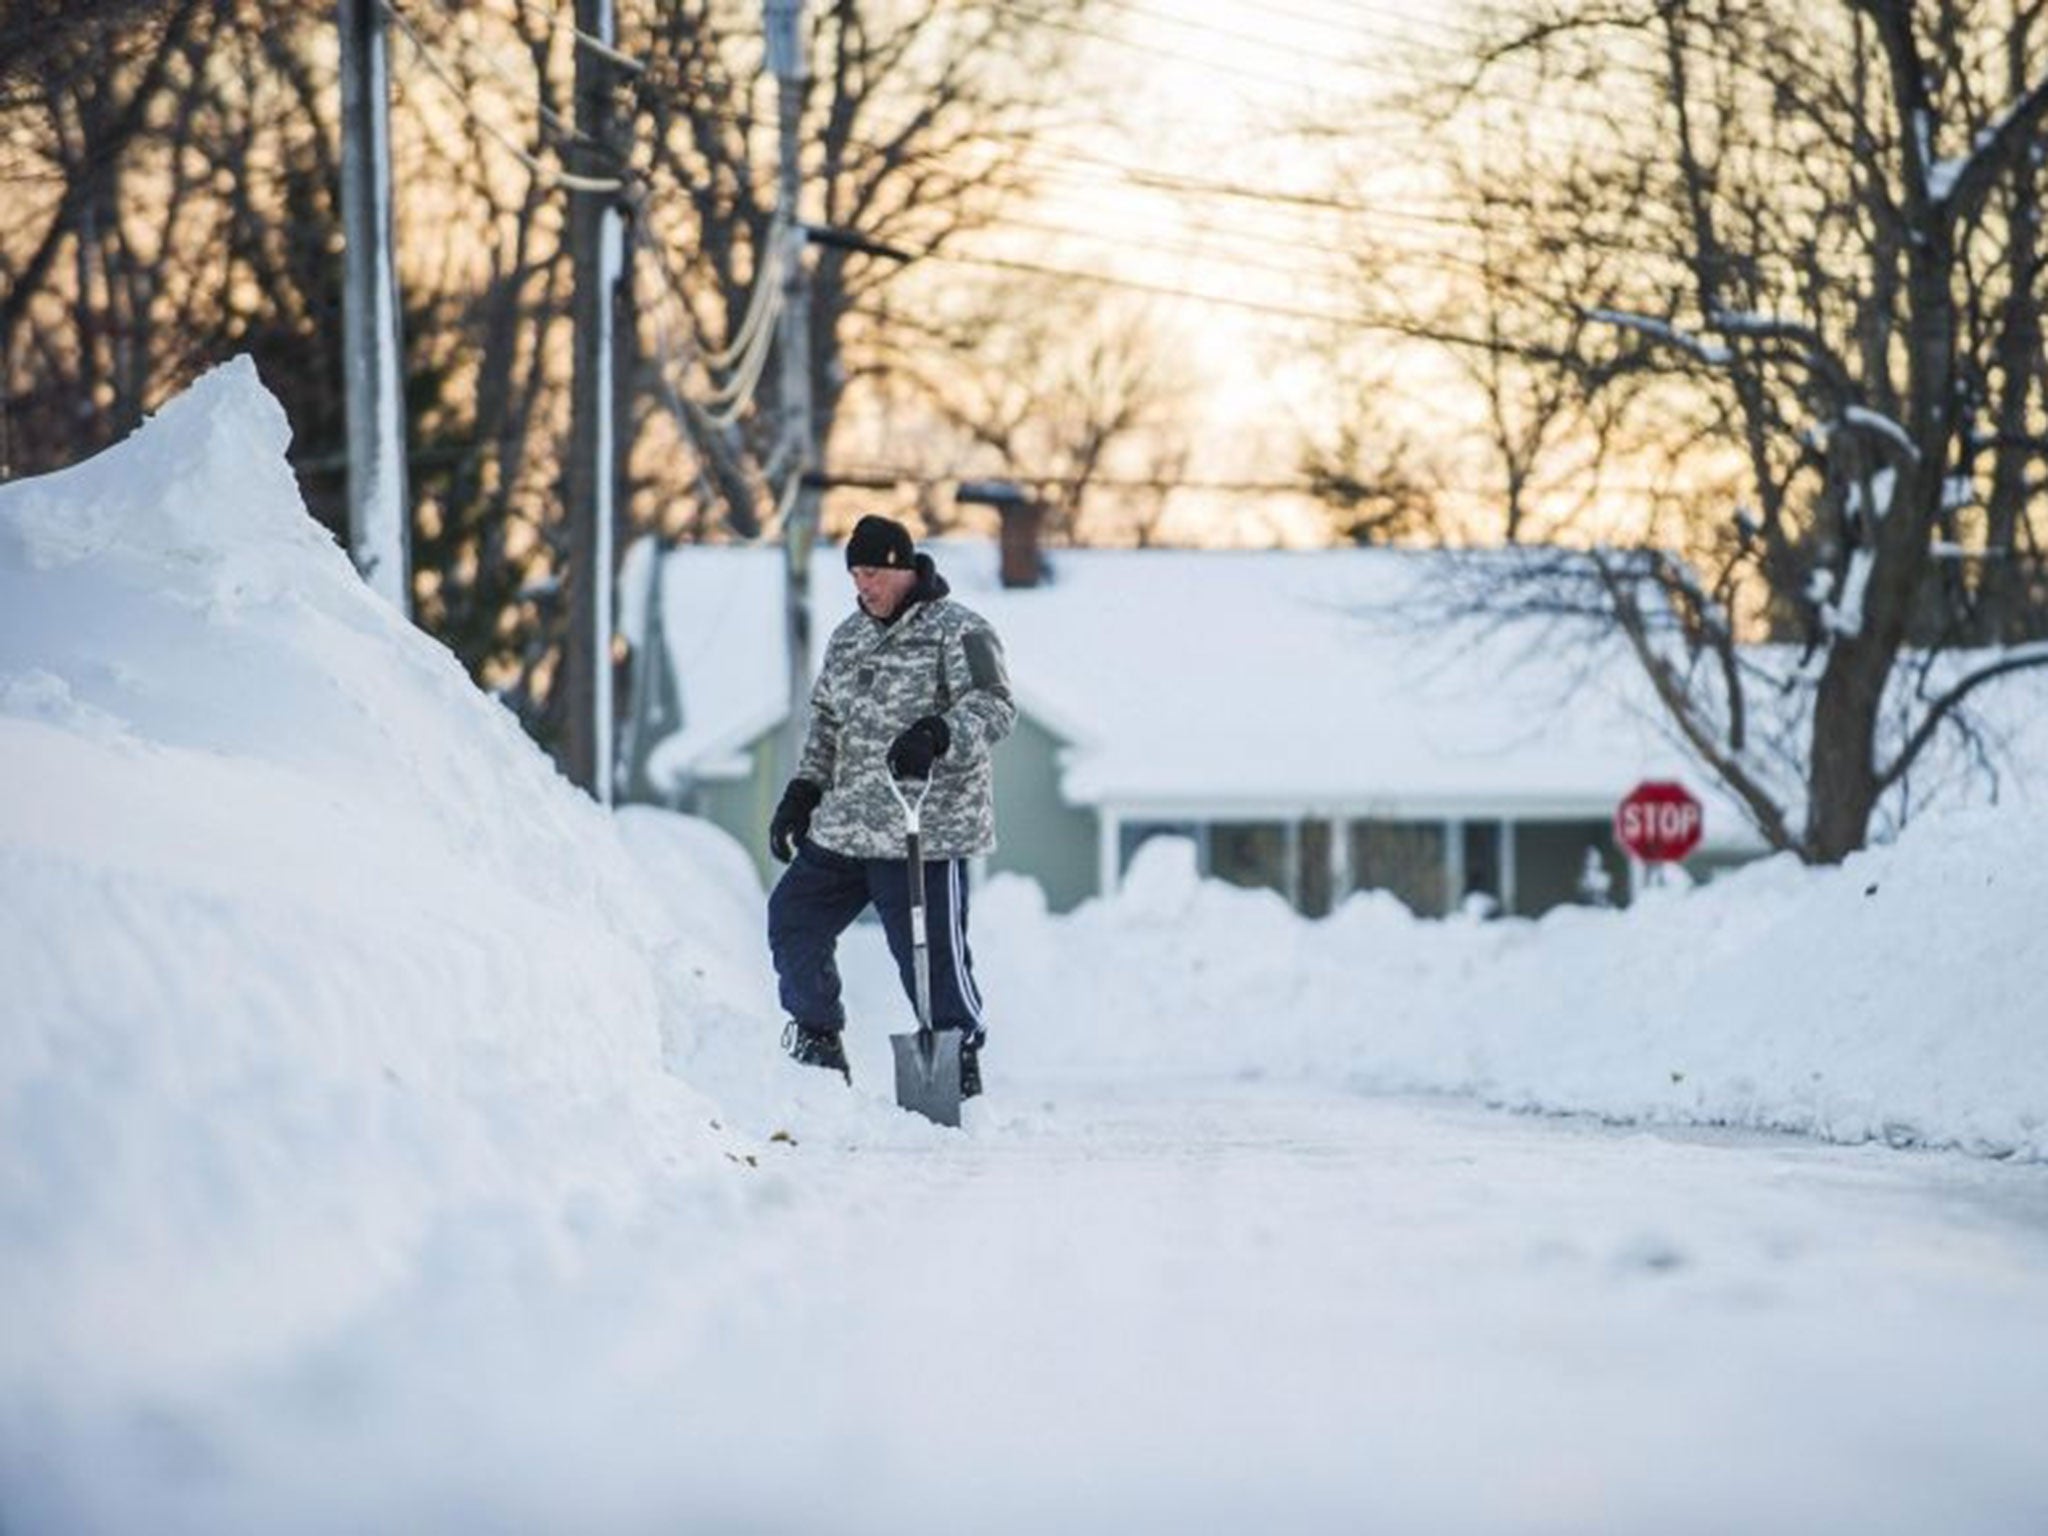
(797, 448)
(597, 255)
(379, 520)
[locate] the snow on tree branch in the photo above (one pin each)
(1865, 419)
(1843, 617)
(1664, 333)
(1957, 185)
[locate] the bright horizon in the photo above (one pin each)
(1210, 94)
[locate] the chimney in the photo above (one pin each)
(1023, 563)
(1023, 518)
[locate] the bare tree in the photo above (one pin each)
(1465, 406)
(1819, 272)
(170, 171)
(919, 113)
(89, 101)
(1039, 383)
(179, 161)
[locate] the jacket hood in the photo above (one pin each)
(931, 586)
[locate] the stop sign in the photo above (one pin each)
(1659, 822)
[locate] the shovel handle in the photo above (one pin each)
(920, 942)
(913, 809)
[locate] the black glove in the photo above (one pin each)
(792, 821)
(911, 755)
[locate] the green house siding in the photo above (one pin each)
(1038, 833)
(1430, 866)
(742, 806)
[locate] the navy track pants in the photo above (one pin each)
(817, 900)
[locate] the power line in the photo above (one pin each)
(1184, 189)
(1162, 247)
(1356, 321)
(584, 40)
(763, 304)
(1411, 328)
(747, 351)
(551, 119)
(1405, 39)
(1454, 218)
(1473, 33)
(1240, 71)
(1236, 35)
(1163, 290)
(1439, 22)
(1454, 222)
(1189, 191)
(741, 350)
(1235, 260)
(1157, 179)
(694, 423)
(1295, 13)
(731, 397)
(1245, 487)
(879, 476)
(439, 67)
(1148, 178)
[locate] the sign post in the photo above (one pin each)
(1659, 822)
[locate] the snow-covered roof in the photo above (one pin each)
(1200, 680)
(722, 617)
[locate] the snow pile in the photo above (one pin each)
(1895, 998)
(730, 1044)
(319, 982)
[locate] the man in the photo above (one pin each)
(913, 685)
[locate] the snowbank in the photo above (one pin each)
(1894, 998)
(315, 972)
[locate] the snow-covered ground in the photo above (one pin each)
(1896, 998)
(390, 1140)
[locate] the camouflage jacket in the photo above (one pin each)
(936, 658)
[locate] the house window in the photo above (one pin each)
(1407, 858)
(1133, 835)
(1551, 863)
(1251, 853)
(1482, 862)
(1315, 893)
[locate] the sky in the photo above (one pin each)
(1211, 96)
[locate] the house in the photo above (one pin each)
(1281, 709)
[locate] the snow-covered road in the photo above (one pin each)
(1171, 1306)
(1232, 1307)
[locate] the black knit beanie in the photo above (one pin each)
(880, 541)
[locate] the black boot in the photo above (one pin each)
(816, 1048)
(970, 1066)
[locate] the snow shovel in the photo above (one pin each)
(928, 1062)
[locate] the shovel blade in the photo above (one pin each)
(928, 1074)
